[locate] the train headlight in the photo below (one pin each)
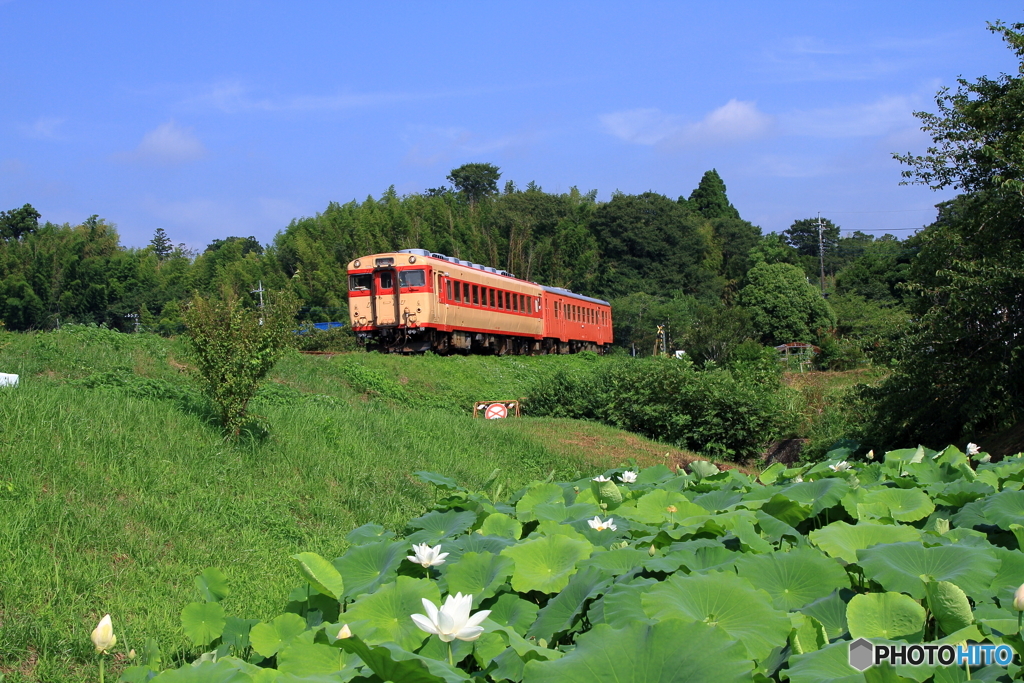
(356, 263)
(412, 259)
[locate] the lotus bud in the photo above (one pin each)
(1018, 599)
(652, 550)
(871, 455)
(103, 635)
(131, 654)
(345, 632)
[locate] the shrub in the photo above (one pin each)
(234, 346)
(727, 412)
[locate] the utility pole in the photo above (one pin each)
(821, 253)
(260, 291)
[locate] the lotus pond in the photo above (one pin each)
(663, 576)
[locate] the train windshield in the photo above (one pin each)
(361, 281)
(411, 278)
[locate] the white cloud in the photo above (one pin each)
(168, 143)
(232, 97)
(735, 121)
(44, 128)
(881, 117)
(433, 145)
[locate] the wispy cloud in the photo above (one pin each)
(734, 121)
(45, 128)
(881, 117)
(168, 144)
(433, 145)
(807, 58)
(232, 97)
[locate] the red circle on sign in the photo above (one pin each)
(496, 410)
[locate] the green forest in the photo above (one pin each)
(941, 309)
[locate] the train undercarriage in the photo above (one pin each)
(421, 340)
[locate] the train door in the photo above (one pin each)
(385, 297)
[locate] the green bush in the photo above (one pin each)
(731, 412)
(234, 347)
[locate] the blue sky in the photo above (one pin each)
(232, 118)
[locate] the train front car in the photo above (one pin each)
(413, 300)
(390, 297)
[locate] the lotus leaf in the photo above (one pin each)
(306, 659)
(385, 614)
(831, 664)
(320, 574)
(616, 562)
(718, 501)
(391, 663)
(512, 611)
(621, 605)
(436, 526)
(885, 615)
(661, 506)
(1005, 509)
(535, 495)
(365, 568)
(438, 480)
(203, 622)
(900, 566)
(500, 524)
(843, 540)
(949, 606)
(478, 574)
(545, 564)
(724, 601)
(561, 611)
(671, 651)
(703, 469)
(213, 585)
(808, 634)
(268, 638)
(820, 495)
(793, 579)
(903, 505)
(368, 533)
(831, 612)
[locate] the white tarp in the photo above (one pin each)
(7, 380)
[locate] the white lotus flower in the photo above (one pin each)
(840, 466)
(799, 480)
(972, 449)
(628, 477)
(1018, 599)
(452, 620)
(597, 525)
(871, 454)
(427, 556)
(985, 458)
(103, 635)
(601, 478)
(345, 632)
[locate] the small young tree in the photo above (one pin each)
(234, 346)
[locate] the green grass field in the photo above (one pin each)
(116, 489)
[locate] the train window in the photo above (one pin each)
(361, 281)
(412, 278)
(476, 295)
(458, 291)
(501, 299)
(508, 301)
(491, 295)
(448, 287)
(385, 281)
(522, 302)
(515, 303)
(556, 309)
(465, 292)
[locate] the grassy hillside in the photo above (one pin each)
(116, 489)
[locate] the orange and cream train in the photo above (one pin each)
(412, 300)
